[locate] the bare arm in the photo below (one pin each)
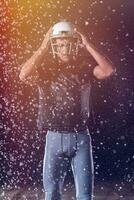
(105, 67)
(28, 72)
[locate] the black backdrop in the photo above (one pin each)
(110, 26)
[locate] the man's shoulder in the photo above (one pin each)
(87, 59)
(86, 63)
(86, 67)
(46, 65)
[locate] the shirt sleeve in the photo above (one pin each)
(88, 64)
(44, 70)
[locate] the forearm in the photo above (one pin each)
(103, 62)
(33, 63)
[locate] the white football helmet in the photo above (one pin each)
(64, 29)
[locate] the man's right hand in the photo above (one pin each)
(46, 41)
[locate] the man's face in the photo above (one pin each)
(64, 48)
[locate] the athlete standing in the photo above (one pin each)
(64, 85)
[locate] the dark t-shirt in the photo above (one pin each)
(64, 94)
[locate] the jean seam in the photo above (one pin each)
(69, 145)
(61, 143)
(76, 144)
(74, 168)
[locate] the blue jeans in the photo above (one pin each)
(63, 149)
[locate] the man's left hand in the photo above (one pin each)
(82, 36)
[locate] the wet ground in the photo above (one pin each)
(105, 191)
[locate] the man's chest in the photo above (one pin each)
(68, 87)
(65, 83)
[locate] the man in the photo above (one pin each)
(64, 84)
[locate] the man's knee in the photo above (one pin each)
(52, 191)
(52, 194)
(85, 196)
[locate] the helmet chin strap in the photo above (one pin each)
(54, 56)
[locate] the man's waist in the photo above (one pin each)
(67, 129)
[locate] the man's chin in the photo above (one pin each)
(65, 59)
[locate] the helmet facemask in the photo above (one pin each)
(65, 32)
(71, 46)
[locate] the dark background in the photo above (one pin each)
(110, 26)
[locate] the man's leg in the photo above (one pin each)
(54, 166)
(82, 167)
